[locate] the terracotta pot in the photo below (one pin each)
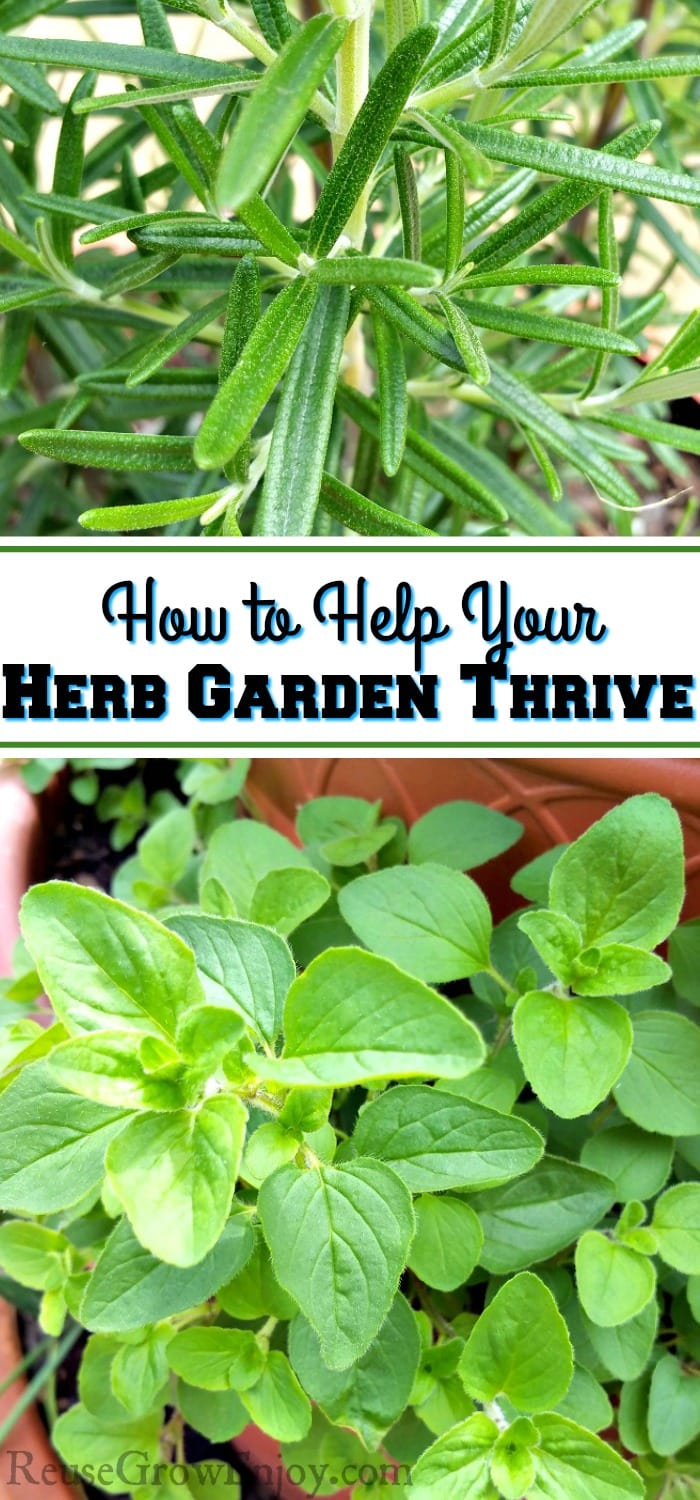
(556, 800)
(261, 1454)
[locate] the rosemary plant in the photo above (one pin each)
(395, 274)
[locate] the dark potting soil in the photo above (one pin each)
(78, 846)
(197, 1448)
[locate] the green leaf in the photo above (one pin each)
(140, 1372)
(519, 1348)
(658, 1089)
(560, 435)
(255, 1292)
(262, 222)
(175, 1175)
(684, 438)
(303, 421)
(502, 20)
(557, 939)
(588, 1044)
(625, 1350)
(328, 1449)
(400, 16)
(352, 1016)
(133, 972)
(368, 270)
(544, 327)
(218, 1415)
(462, 835)
(586, 1402)
(95, 1380)
(272, 115)
(638, 1163)
(112, 57)
(127, 452)
(572, 1464)
(285, 898)
(216, 1359)
(436, 923)
(241, 965)
(439, 1140)
(422, 457)
(685, 65)
(614, 1282)
(332, 1228)
(27, 82)
(418, 324)
(618, 969)
(241, 853)
(361, 515)
(535, 1217)
(119, 1453)
(676, 1224)
(276, 1403)
(467, 341)
(623, 880)
(454, 212)
(547, 211)
(129, 1287)
(561, 159)
(392, 392)
(165, 849)
(68, 167)
(458, 1464)
(674, 1406)
(539, 275)
(439, 1397)
(409, 205)
(372, 1394)
(242, 315)
(512, 1466)
(447, 1242)
(267, 1148)
(684, 956)
(33, 1255)
(145, 517)
(367, 137)
(107, 1069)
(52, 1144)
(247, 389)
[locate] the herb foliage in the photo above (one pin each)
(251, 301)
(277, 1175)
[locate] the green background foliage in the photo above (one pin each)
(268, 1171)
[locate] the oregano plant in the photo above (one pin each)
(262, 1168)
(398, 273)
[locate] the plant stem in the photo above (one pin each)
(35, 1386)
(29, 1359)
(446, 93)
(235, 26)
(352, 83)
(352, 78)
(265, 1333)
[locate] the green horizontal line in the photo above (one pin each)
(412, 745)
(340, 547)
